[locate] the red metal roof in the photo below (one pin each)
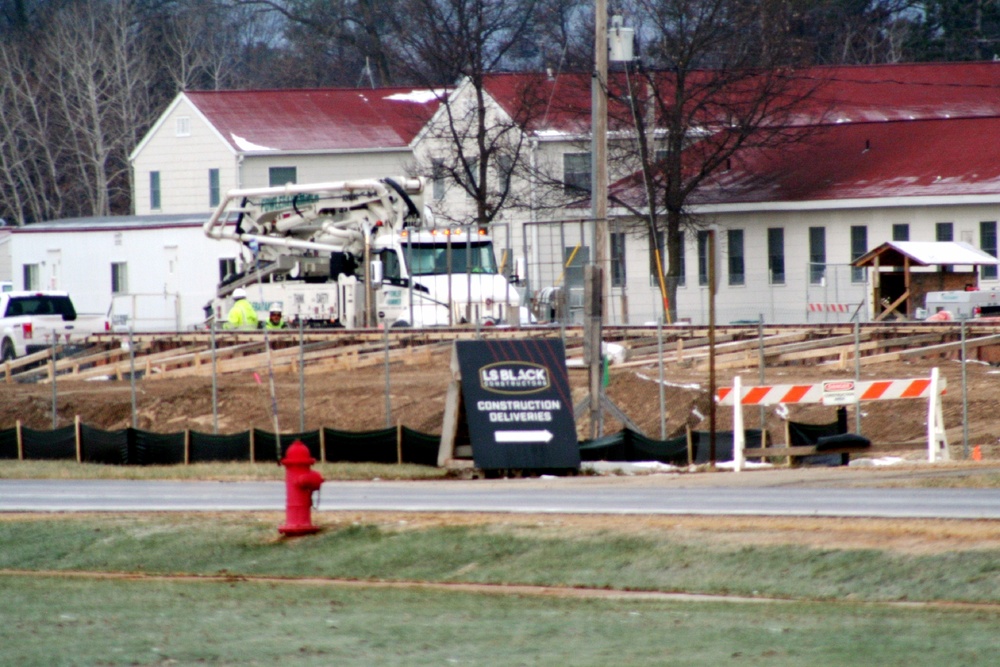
(858, 93)
(322, 119)
(877, 131)
(934, 158)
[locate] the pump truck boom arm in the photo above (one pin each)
(334, 216)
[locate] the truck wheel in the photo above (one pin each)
(7, 351)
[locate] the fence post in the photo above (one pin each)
(20, 441)
(399, 443)
(76, 436)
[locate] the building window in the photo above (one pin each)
(662, 266)
(702, 258)
(575, 259)
(505, 167)
(776, 255)
(278, 176)
(183, 126)
(859, 246)
(617, 259)
(154, 191)
(576, 172)
(737, 271)
(437, 178)
(214, 196)
(817, 255)
(227, 267)
(32, 277)
(944, 231)
(119, 278)
(681, 261)
(472, 173)
(988, 242)
(901, 232)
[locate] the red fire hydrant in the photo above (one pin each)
(300, 482)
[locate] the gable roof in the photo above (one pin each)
(926, 253)
(320, 119)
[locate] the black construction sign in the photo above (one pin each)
(518, 405)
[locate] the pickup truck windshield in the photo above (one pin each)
(41, 304)
(427, 259)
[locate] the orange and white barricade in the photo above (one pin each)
(840, 392)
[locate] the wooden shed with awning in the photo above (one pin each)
(897, 289)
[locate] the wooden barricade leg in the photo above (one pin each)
(788, 442)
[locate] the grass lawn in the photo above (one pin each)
(810, 607)
(53, 621)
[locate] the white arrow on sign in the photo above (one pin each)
(522, 436)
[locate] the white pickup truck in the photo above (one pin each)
(28, 320)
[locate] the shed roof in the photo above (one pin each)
(319, 119)
(925, 253)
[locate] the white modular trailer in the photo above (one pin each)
(147, 273)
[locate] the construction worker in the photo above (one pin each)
(241, 315)
(274, 320)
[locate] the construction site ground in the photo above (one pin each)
(350, 394)
(353, 394)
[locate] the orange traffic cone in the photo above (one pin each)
(977, 453)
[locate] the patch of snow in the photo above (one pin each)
(876, 462)
(628, 467)
(245, 145)
(676, 385)
(747, 465)
(418, 96)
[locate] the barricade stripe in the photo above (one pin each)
(795, 394)
(916, 388)
(722, 392)
(875, 391)
(755, 395)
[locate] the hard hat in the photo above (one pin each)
(239, 293)
(275, 307)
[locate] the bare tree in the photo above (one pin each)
(720, 86)
(454, 42)
(95, 68)
(342, 43)
(29, 165)
(853, 32)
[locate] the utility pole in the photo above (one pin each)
(599, 146)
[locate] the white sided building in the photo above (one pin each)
(209, 142)
(147, 273)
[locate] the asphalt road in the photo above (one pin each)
(570, 495)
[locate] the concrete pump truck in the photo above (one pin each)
(357, 254)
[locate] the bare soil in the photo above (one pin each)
(357, 400)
